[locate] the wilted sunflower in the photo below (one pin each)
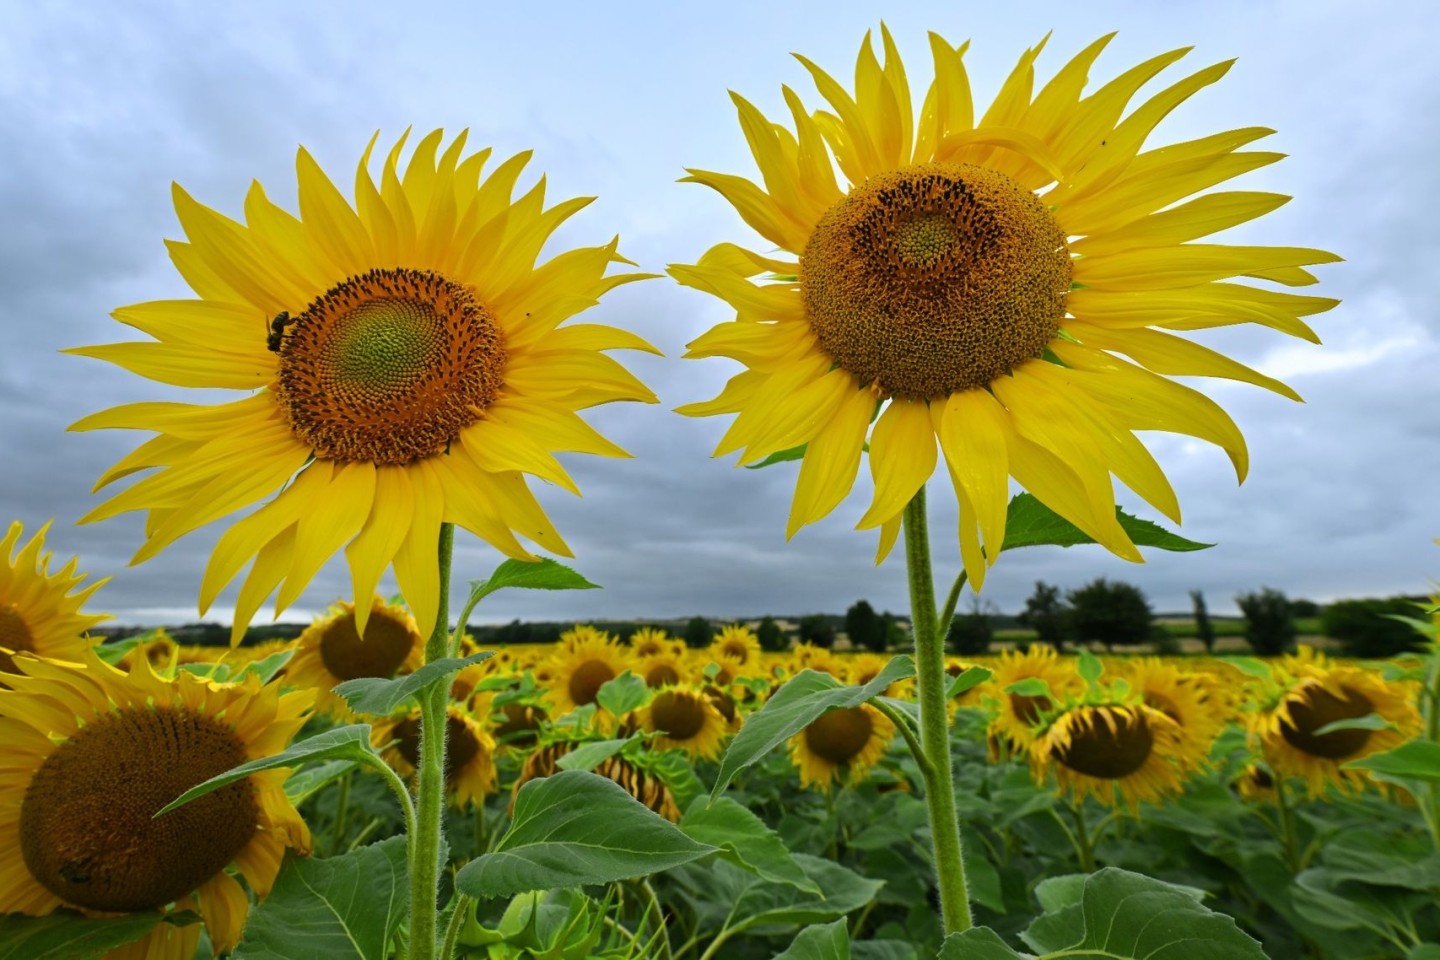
(40, 610)
(1107, 749)
(1015, 715)
(738, 643)
(980, 279)
(842, 744)
(469, 752)
(89, 753)
(1317, 693)
(1195, 702)
(685, 720)
(331, 651)
(578, 672)
(407, 368)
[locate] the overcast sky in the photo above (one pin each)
(104, 105)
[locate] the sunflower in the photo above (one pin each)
(406, 367)
(578, 671)
(88, 753)
(40, 610)
(737, 643)
(1107, 749)
(842, 744)
(980, 280)
(685, 720)
(1194, 701)
(648, 641)
(331, 651)
(1315, 694)
(1015, 715)
(664, 669)
(469, 752)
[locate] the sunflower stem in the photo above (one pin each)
(934, 721)
(452, 930)
(430, 792)
(912, 739)
(342, 803)
(1287, 827)
(1084, 846)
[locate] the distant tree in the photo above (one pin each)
(1365, 629)
(1204, 629)
(771, 637)
(970, 633)
(896, 636)
(1304, 608)
(1269, 624)
(698, 633)
(817, 629)
(1047, 615)
(1113, 613)
(865, 629)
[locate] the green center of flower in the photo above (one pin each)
(388, 367)
(840, 735)
(14, 635)
(935, 279)
(1318, 707)
(1107, 744)
(388, 641)
(88, 833)
(678, 716)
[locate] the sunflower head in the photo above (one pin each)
(841, 746)
(1111, 750)
(39, 610)
(1195, 701)
(685, 719)
(331, 650)
(469, 752)
(664, 669)
(738, 644)
(581, 667)
(649, 641)
(640, 783)
(1016, 710)
(85, 782)
(997, 288)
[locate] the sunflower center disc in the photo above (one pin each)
(460, 744)
(86, 828)
(588, 678)
(935, 279)
(388, 367)
(14, 635)
(678, 717)
(387, 643)
(840, 735)
(1028, 709)
(1109, 752)
(1321, 707)
(661, 675)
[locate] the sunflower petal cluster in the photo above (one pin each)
(1001, 290)
(40, 611)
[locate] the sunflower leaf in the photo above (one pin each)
(590, 755)
(1415, 760)
(1030, 523)
(829, 941)
(842, 891)
(309, 780)
(339, 908)
(341, 743)
(968, 679)
(63, 935)
(623, 694)
(1371, 721)
(379, 696)
(978, 943)
(576, 828)
(545, 574)
(783, 456)
(1030, 687)
(266, 667)
(745, 841)
(794, 707)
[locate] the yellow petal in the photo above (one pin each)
(902, 458)
(322, 531)
(379, 539)
(972, 435)
(831, 461)
(417, 560)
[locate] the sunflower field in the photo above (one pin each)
(1004, 293)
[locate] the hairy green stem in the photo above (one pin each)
(430, 788)
(908, 731)
(342, 804)
(935, 721)
(1287, 827)
(1084, 846)
(452, 930)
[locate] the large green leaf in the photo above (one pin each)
(982, 943)
(625, 693)
(575, 828)
(380, 695)
(342, 743)
(766, 904)
(545, 574)
(1127, 916)
(309, 780)
(830, 941)
(339, 908)
(793, 707)
(1029, 523)
(590, 755)
(745, 840)
(882, 950)
(1413, 760)
(63, 935)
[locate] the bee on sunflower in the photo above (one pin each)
(39, 610)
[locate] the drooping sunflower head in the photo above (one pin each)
(469, 752)
(39, 610)
(82, 784)
(576, 674)
(1292, 733)
(1016, 709)
(1111, 750)
(841, 746)
(998, 287)
(331, 650)
(737, 643)
(1193, 700)
(406, 365)
(640, 783)
(685, 719)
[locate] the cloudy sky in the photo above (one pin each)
(104, 105)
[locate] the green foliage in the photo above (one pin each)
(698, 633)
(1045, 613)
(744, 840)
(1364, 627)
(1204, 629)
(1030, 523)
(817, 629)
(1116, 614)
(772, 638)
(1269, 624)
(378, 696)
(830, 941)
(970, 633)
(544, 574)
(63, 935)
(865, 628)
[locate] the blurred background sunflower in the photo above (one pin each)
(1107, 751)
(685, 719)
(469, 752)
(40, 610)
(331, 651)
(841, 746)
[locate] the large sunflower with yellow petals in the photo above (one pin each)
(1000, 288)
(40, 610)
(89, 753)
(407, 367)
(841, 746)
